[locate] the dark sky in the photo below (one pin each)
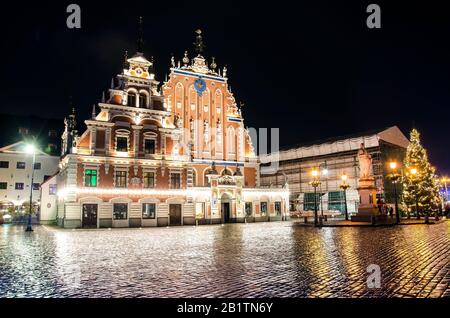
(313, 69)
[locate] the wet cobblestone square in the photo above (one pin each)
(277, 259)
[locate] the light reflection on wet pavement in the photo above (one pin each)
(275, 259)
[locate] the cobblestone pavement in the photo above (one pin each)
(275, 259)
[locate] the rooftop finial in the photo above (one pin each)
(140, 41)
(93, 111)
(186, 58)
(213, 64)
(199, 46)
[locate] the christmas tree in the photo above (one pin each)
(420, 183)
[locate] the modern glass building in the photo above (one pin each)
(332, 158)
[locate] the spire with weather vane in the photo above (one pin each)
(198, 44)
(140, 40)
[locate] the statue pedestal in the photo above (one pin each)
(367, 207)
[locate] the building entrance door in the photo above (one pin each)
(226, 212)
(89, 215)
(175, 214)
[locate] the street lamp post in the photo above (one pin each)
(344, 186)
(395, 177)
(31, 150)
(315, 183)
(323, 172)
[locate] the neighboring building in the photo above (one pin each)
(15, 176)
(157, 156)
(43, 132)
(334, 157)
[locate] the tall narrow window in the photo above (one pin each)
(121, 179)
(278, 208)
(90, 178)
(149, 146)
(142, 100)
(149, 179)
(263, 208)
(175, 181)
(248, 209)
(131, 99)
(122, 144)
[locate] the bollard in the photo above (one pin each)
(373, 220)
(427, 219)
(305, 219)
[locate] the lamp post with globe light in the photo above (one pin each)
(344, 186)
(395, 176)
(30, 149)
(315, 183)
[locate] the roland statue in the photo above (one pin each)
(365, 163)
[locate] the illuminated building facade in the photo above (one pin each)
(158, 155)
(332, 158)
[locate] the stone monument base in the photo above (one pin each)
(367, 209)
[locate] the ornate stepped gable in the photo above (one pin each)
(169, 154)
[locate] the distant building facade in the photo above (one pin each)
(158, 155)
(332, 158)
(15, 176)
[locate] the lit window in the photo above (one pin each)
(248, 209)
(121, 179)
(149, 179)
(3, 185)
(148, 210)
(4, 164)
(149, 146)
(19, 186)
(175, 181)
(122, 144)
(20, 165)
(37, 166)
(52, 189)
(120, 211)
(263, 208)
(36, 186)
(90, 178)
(278, 208)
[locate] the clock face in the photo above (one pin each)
(200, 86)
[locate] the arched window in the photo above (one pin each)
(142, 100)
(131, 99)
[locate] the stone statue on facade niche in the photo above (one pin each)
(365, 162)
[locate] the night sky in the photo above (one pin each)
(314, 69)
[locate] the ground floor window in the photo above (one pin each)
(248, 209)
(263, 208)
(336, 201)
(120, 211)
(308, 201)
(278, 208)
(148, 210)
